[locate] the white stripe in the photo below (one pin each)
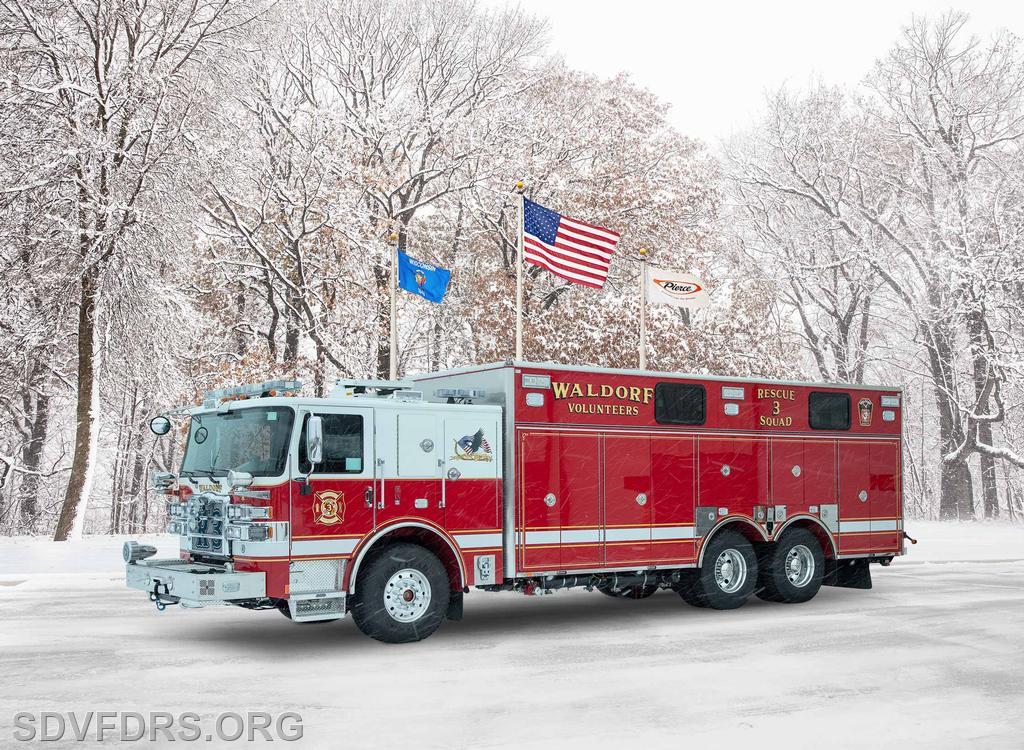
(612, 236)
(260, 549)
(883, 526)
(853, 526)
(324, 546)
(672, 532)
(542, 537)
(579, 536)
(628, 535)
(475, 541)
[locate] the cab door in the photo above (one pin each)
(333, 502)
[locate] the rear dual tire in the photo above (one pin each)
(728, 576)
(791, 569)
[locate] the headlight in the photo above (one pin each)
(243, 512)
(247, 532)
(259, 533)
(174, 527)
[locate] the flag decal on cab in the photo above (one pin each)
(473, 448)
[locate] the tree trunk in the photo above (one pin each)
(956, 501)
(381, 276)
(31, 459)
(989, 486)
(319, 374)
(80, 481)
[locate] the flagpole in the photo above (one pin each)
(393, 357)
(643, 308)
(519, 274)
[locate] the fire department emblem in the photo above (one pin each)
(473, 448)
(329, 507)
(864, 409)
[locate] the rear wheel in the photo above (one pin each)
(728, 576)
(401, 595)
(792, 568)
(631, 592)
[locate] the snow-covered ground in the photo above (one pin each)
(932, 657)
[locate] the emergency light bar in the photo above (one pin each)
(354, 387)
(252, 390)
(459, 395)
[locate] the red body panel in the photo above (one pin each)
(594, 441)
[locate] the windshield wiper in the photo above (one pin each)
(211, 472)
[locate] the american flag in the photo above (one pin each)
(576, 251)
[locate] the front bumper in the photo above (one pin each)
(193, 583)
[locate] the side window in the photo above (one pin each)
(343, 445)
(679, 403)
(829, 411)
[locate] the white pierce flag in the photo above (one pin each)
(673, 288)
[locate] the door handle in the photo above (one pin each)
(454, 474)
(641, 499)
(368, 497)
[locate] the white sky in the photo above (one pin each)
(714, 61)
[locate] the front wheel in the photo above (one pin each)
(792, 569)
(401, 594)
(727, 576)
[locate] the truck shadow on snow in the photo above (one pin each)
(508, 616)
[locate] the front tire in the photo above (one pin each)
(728, 576)
(401, 595)
(792, 569)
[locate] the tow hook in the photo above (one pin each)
(155, 594)
(907, 536)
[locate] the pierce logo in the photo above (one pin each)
(678, 288)
(329, 507)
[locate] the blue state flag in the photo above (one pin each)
(422, 279)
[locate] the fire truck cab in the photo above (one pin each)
(391, 500)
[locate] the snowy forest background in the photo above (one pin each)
(197, 194)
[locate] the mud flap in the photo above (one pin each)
(454, 611)
(848, 574)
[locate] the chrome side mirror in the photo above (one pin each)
(239, 478)
(315, 440)
(160, 425)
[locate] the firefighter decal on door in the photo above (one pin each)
(329, 507)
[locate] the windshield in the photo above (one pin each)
(252, 440)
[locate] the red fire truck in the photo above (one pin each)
(391, 500)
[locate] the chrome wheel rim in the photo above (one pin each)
(730, 571)
(799, 565)
(407, 595)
